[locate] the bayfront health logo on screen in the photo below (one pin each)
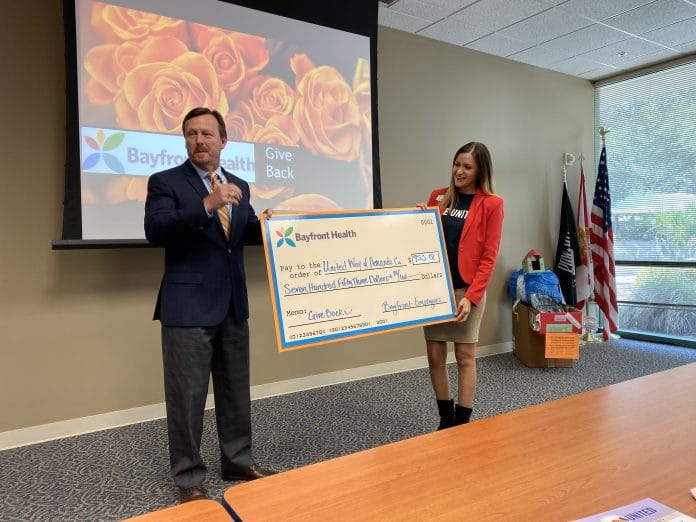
(98, 150)
(111, 151)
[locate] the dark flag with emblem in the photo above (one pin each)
(568, 256)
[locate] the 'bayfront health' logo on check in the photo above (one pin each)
(285, 239)
(284, 235)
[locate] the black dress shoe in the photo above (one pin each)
(253, 472)
(192, 493)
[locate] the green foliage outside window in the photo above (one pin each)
(663, 287)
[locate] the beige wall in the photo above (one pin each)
(75, 332)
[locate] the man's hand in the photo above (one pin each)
(224, 194)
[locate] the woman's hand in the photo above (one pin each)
(463, 309)
(422, 206)
(268, 213)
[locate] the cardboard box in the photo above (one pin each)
(566, 322)
(529, 346)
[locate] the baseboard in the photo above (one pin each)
(72, 427)
(364, 372)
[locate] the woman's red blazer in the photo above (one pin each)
(479, 242)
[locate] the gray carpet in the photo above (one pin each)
(123, 472)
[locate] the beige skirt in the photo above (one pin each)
(458, 332)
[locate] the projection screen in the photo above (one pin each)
(297, 98)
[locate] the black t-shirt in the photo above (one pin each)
(453, 224)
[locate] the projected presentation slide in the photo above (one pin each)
(295, 98)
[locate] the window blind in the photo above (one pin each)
(651, 159)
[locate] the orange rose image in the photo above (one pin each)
(117, 190)
(108, 64)
(268, 97)
(361, 88)
(270, 192)
(236, 56)
(361, 85)
(126, 188)
(326, 112)
(308, 203)
(117, 24)
(156, 96)
(137, 189)
(239, 122)
(88, 196)
(279, 130)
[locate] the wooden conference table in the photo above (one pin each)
(561, 460)
(206, 510)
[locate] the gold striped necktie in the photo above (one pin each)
(223, 212)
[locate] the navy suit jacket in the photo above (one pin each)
(203, 271)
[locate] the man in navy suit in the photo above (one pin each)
(202, 303)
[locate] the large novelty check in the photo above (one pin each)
(344, 274)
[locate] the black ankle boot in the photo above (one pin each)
(462, 414)
(446, 411)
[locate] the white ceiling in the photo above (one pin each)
(591, 39)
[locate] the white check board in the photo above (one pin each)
(337, 275)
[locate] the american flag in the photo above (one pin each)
(602, 245)
(584, 278)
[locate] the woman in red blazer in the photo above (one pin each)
(472, 219)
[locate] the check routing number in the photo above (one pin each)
(335, 275)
